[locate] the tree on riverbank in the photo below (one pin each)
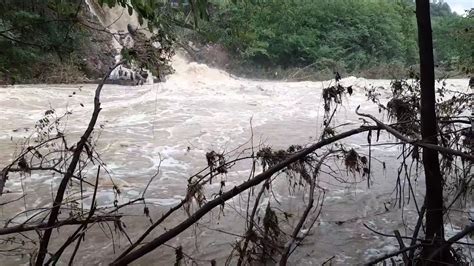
(434, 201)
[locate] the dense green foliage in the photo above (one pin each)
(336, 35)
(40, 37)
(35, 35)
(49, 40)
(454, 41)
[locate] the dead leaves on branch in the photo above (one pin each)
(269, 158)
(216, 163)
(333, 95)
(355, 163)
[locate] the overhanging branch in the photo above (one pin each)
(206, 208)
(417, 143)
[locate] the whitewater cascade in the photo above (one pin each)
(118, 21)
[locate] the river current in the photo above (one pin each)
(199, 109)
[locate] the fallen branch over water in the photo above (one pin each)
(206, 208)
(393, 254)
(417, 143)
(129, 256)
(43, 226)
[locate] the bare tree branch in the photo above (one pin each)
(71, 169)
(44, 226)
(286, 252)
(6, 170)
(469, 229)
(417, 143)
(79, 231)
(153, 244)
(393, 254)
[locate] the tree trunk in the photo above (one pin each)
(433, 178)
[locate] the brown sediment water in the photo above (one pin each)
(196, 110)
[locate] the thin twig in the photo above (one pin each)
(45, 226)
(393, 254)
(71, 169)
(417, 143)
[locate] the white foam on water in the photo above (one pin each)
(203, 109)
(164, 202)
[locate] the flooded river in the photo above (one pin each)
(197, 110)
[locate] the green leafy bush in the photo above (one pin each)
(358, 35)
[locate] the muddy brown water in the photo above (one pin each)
(197, 110)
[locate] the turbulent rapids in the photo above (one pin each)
(173, 124)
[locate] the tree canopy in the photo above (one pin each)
(34, 34)
(343, 35)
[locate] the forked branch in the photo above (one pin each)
(70, 170)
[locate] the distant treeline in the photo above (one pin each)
(342, 35)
